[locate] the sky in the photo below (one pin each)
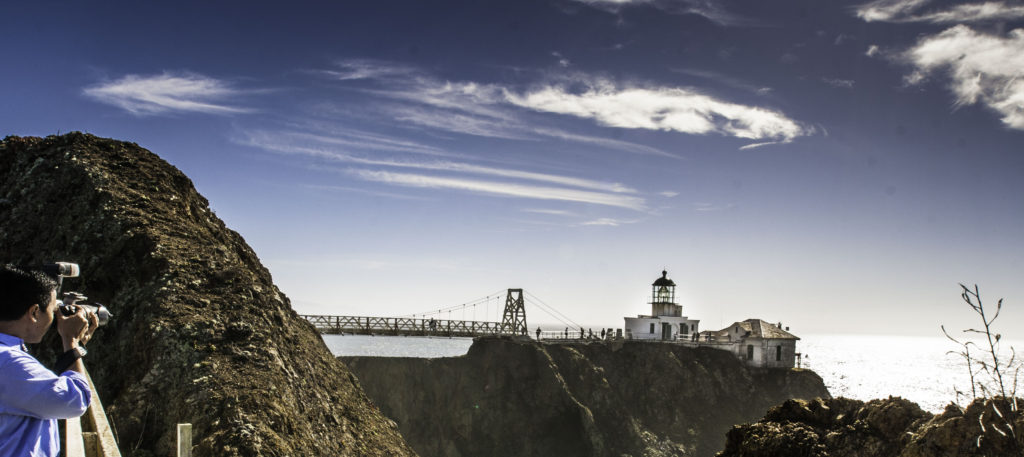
(839, 167)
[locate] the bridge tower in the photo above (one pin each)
(514, 318)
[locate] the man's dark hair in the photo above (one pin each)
(20, 289)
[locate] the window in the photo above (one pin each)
(750, 352)
(683, 329)
(652, 328)
(778, 352)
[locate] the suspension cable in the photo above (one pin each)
(461, 306)
(564, 319)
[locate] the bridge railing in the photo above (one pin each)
(364, 325)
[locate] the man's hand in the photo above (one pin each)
(77, 328)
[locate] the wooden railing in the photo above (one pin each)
(90, 435)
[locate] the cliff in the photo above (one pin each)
(200, 333)
(515, 398)
(891, 427)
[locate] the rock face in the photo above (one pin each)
(893, 427)
(514, 398)
(200, 332)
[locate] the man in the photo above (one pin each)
(32, 397)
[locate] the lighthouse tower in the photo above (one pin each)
(666, 321)
(663, 297)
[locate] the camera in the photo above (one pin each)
(69, 305)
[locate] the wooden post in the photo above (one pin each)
(73, 444)
(184, 440)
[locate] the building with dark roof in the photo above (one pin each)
(758, 343)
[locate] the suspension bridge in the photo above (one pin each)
(440, 323)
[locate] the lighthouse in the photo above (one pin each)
(666, 321)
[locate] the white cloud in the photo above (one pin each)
(983, 68)
(668, 193)
(490, 110)
(887, 10)
(757, 145)
(476, 109)
(504, 189)
(671, 109)
(904, 11)
(149, 95)
(873, 50)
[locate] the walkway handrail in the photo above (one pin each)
(90, 435)
(404, 326)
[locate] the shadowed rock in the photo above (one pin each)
(891, 427)
(514, 398)
(200, 332)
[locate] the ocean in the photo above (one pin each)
(862, 367)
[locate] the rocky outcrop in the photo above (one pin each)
(516, 398)
(200, 332)
(892, 427)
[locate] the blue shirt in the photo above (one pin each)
(32, 398)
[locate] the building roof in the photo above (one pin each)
(663, 280)
(756, 328)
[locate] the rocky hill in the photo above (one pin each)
(891, 427)
(515, 398)
(200, 332)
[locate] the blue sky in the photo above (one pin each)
(837, 166)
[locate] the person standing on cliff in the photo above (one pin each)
(32, 397)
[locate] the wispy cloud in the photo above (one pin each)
(610, 222)
(285, 143)
(505, 189)
(903, 11)
(983, 68)
(460, 122)
(354, 69)
(349, 139)
(562, 60)
(721, 78)
(840, 83)
(661, 108)
(346, 189)
(167, 93)
(553, 212)
(706, 207)
(606, 143)
(668, 193)
(710, 9)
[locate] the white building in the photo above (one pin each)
(757, 343)
(666, 321)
